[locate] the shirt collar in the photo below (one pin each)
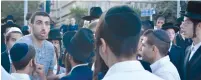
(78, 66)
(156, 65)
(170, 46)
(124, 66)
(195, 47)
(21, 76)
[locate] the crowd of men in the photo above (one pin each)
(112, 45)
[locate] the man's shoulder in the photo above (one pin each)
(49, 44)
(25, 39)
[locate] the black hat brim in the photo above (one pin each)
(89, 18)
(192, 15)
(176, 29)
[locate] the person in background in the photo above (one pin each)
(176, 53)
(117, 45)
(155, 47)
(64, 28)
(73, 26)
(94, 14)
(22, 56)
(9, 22)
(26, 29)
(160, 21)
(54, 36)
(40, 27)
(80, 51)
(11, 36)
(191, 26)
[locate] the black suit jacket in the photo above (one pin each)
(192, 68)
(183, 43)
(176, 55)
(5, 61)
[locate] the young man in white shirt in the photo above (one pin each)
(191, 27)
(155, 47)
(117, 38)
(160, 21)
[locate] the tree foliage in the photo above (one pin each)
(78, 13)
(16, 8)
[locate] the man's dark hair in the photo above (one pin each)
(39, 14)
(159, 38)
(195, 23)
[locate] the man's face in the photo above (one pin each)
(171, 33)
(187, 28)
(13, 38)
(56, 44)
(147, 51)
(41, 27)
(159, 23)
(72, 21)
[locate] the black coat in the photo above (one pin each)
(5, 61)
(80, 73)
(176, 55)
(192, 68)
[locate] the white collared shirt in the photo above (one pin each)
(5, 75)
(21, 76)
(78, 66)
(163, 68)
(170, 46)
(129, 70)
(194, 49)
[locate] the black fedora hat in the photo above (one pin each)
(67, 38)
(95, 12)
(193, 10)
(81, 46)
(54, 34)
(170, 26)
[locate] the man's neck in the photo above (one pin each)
(37, 42)
(23, 71)
(158, 57)
(122, 59)
(196, 40)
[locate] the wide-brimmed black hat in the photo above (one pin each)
(67, 38)
(193, 10)
(81, 46)
(95, 12)
(54, 34)
(170, 26)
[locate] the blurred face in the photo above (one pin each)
(67, 21)
(56, 44)
(72, 21)
(41, 27)
(140, 46)
(187, 28)
(147, 51)
(171, 33)
(13, 38)
(159, 23)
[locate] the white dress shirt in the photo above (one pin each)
(165, 69)
(170, 46)
(21, 76)
(194, 49)
(129, 70)
(5, 75)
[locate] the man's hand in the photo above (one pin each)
(40, 71)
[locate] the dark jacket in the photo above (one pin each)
(192, 68)
(80, 73)
(5, 61)
(176, 55)
(183, 43)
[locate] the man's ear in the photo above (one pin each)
(103, 45)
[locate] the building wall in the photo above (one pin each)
(61, 9)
